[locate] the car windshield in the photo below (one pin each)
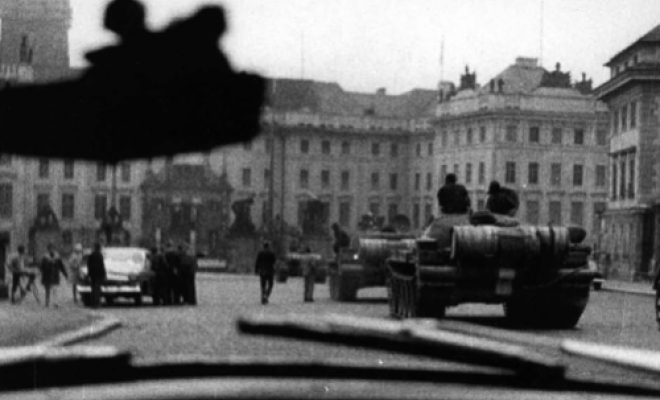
(486, 164)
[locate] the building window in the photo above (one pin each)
(266, 178)
(394, 181)
(68, 206)
(631, 181)
(392, 211)
(430, 148)
(68, 169)
(375, 149)
(555, 213)
(125, 207)
(443, 173)
(375, 181)
(304, 146)
(622, 181)
(325, 147)
(482, 173)
(301, 212)
(100, 206)
(468, 173)
(633, 115)
(555, 174)
(44, 168)
(457, 138)
(394, 150)
(444, 138)
(325, 179)
(614, 180)
(101, 172)
(418, 181)
(304, 178)
(469, 136)
(577, 213)
(345, 148)
(601, 137)
(624, 118)
(268, 145)
(416, 215)
(533, 173)
(533, 212)
(482, 134)
(126, 172)
(599, 209)
(456, 170)
(374, 209)
(577, 175)
(556, 136)
(511, 133)
(601, 179)
(510, 176)
(344, 213)
(534, 135)
(578, 136)
(428, 213)
(43, 201)
(247, 177)
(418, 149)
(615, 121)
(345, 180)
(67, 238)
(6, 200)
(429, 182)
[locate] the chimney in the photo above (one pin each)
(381, 91)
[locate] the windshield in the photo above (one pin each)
(488, 128)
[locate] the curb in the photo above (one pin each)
(628, 291)
(97, 329)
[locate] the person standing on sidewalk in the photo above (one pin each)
(309, 267)
(97, 274)
(265, 268)
(173, 258)
(16, 266)
(75, 262)
(51, 267)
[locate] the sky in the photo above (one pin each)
(400, 45)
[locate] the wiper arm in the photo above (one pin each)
(408, 338)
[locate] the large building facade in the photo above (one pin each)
(632, 222)
(532, 130)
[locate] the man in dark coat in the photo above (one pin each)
(173, 258)
(342, 240)
(453, 198)
(188, 270)
(502, 200)
(161, 286)
(265, 268)
(97, 274)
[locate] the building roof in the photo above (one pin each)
(652, 36)
(332, 99)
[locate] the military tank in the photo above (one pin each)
(364, 263)
(540, 274)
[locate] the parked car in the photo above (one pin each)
(128, 274)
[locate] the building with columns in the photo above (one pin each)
(532, 130)
(632, 221)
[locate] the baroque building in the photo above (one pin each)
(532, 130)
(632, 221)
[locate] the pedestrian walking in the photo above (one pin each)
(265, 268)
(162, 294)
(502, 200)
(51, 266)
(173, 258)
(97, 274)
(17, 267)
(75, 263)
(309, 270)
(188, 271)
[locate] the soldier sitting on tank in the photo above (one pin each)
(455, 208)
(502, 200)
(342, 240)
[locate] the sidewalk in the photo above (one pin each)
(638, 288)
(28, 324)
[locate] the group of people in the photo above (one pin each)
(50, 268)
(174, 275)
(454, 199)
(265, 268)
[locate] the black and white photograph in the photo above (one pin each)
(300, 199)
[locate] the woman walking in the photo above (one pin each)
(51, 266)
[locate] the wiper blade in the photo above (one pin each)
(408, 338)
